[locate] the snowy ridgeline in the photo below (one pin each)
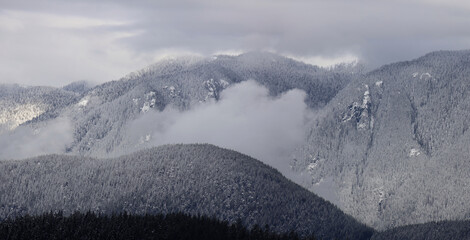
(194, 179)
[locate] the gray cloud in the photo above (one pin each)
(26, 142)
(245, 119)
(377, 32)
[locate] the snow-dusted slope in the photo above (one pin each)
(20, 104)
(105, 110)
(395, 143)
(12, 114)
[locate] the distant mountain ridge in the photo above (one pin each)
(194, 179)
(103, 111)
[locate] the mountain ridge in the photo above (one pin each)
(110, 106)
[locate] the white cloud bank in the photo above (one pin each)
(26, 142)
(245, 119)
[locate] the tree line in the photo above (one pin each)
(127, 226)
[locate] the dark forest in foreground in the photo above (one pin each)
(124, 226)
(431, 230)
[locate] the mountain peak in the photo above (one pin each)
(78, 86)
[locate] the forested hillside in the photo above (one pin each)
(19, 104)
(193, 179)
(394, 144)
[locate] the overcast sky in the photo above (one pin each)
(57, 42)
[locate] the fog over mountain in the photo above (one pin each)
(167, 106)
(26, 142)
(245, 118)
(186, 100)
(388, 147)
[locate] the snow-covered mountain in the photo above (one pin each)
(394, 144)
(101, 113)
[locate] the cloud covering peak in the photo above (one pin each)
(56, 42)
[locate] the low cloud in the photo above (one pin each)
(245, 119)
(26, 142)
